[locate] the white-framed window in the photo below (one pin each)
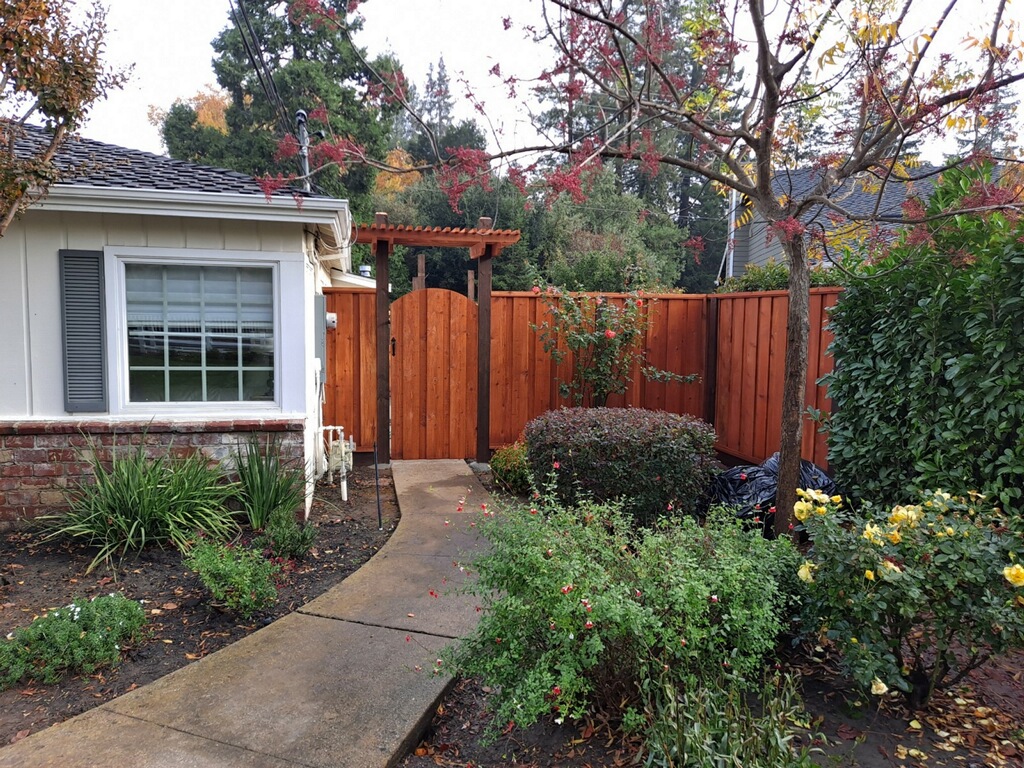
(203, 332)
(199, 333)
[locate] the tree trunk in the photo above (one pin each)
(794, 383)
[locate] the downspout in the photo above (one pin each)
(730, 242)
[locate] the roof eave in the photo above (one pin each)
(208, 205)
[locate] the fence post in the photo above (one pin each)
(711, 360)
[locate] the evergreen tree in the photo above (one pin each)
(271, 67)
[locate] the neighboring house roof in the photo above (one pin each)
(861, 196)
(864, 195)
(105, 178)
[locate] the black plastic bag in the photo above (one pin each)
(752, 490)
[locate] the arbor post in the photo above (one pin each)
(382, 251)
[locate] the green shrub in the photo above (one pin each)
(916, 596)
(79, 638)
(511, 470)
(657, 463)
(266, 483)
(712, 724)
(241, 580)
(582, 610)
(929, 351)
(140, 501)
(773, 276)
(285, 537)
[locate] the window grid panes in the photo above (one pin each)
(199, 333)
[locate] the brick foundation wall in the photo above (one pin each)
(39, 460)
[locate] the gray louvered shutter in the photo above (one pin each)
(82, 320)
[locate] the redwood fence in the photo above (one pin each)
(734, 342)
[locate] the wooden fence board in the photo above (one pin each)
(350, 385)
(750, 359)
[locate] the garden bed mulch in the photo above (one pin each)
(36, 576)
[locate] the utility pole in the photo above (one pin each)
(300, 124)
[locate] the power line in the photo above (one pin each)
(251, 44)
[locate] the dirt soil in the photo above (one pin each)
(36, 576)
(979, 724)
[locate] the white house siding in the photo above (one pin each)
(31, 353)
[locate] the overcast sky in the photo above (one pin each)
(168, 42)
(169, 45)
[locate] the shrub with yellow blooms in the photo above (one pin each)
(913, 596)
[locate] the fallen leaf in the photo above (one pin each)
(411, 615)
(848, 732)
(166, 640)
(19, 735)
(170, 606)
(914, 725)
(193, 656)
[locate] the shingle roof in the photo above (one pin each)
(93, 163)
(858, 196)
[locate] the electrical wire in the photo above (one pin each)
(251, 44)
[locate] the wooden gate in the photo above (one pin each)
(433, 375)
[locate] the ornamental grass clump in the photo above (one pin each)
(913, 596)
(657, 464)
(137, 501)
(582, 611)
(266, 482)
(78, 638)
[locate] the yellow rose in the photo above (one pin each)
(873, 533)
(819, 497)
(802, 493)
(820, 511)
(869, 575)
(950, 531)
(801, 510)
(909, 516)
(891, 566)
(894, 536)
(837, 499)
(806, 572)
(1014, 574)
(878, 687)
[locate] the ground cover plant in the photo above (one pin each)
(712, 723)
(76, 639)
(913, 596)
(659, 464)
(511, 470)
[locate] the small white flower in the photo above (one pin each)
(559, 720)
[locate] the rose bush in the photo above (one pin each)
(914, 596)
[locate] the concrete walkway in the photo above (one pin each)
(344, 681)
